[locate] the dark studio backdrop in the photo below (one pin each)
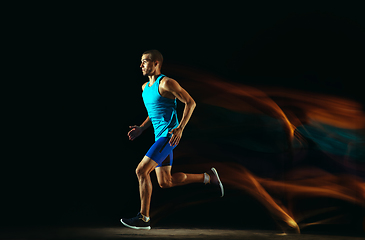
(77, 88)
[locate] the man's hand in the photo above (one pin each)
(176, 136)
(135, 132)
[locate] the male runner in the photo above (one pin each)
(159, 96)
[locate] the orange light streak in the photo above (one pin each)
(293, 108)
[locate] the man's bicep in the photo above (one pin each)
(183, 95)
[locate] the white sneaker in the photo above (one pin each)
(214, 179)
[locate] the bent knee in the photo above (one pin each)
(141, 172)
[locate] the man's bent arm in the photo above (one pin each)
(188, 111)
(181, 94)
(183, 97)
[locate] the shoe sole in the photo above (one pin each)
(219, 181)
(140, 228)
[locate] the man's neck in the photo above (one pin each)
(154, 77)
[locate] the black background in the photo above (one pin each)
(75, 88)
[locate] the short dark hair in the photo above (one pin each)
(155, 55)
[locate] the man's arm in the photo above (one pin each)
(137, 130)
(174, 88)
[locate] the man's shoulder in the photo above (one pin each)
(167, 81)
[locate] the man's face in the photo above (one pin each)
(148, 67)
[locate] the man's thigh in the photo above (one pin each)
(161, 152)
(163, 174)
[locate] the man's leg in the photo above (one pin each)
(141, 221)
(166, 180)
(144, 168)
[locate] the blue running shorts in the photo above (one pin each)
(161, 152)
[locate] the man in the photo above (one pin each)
(159, 96)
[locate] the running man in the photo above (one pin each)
(159, 96)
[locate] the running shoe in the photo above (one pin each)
(136, 222)
(214, 179)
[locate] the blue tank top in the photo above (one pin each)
(161, 110)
